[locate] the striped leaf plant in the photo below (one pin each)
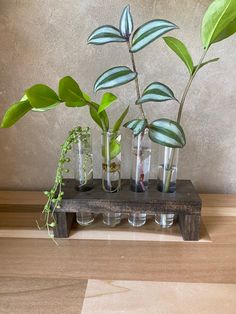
(219, 23)
(167, 131)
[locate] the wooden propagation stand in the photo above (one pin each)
(185, 202)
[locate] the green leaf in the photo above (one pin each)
(118, 123)
(126, 22)
(219, 22)
(114, 77)
(86, 97)
(114, 149)
(230, 30)
(205, 63)
(104, 118)
(15, 112)
(136, 125)
(41, 96)
(182, 52)
(45, 108)
(149, 32)
(105, 34)
(156, 92)
(24, 98)
(107, 100)
(40, 109)
(95, 116)
(101, 119)
(167, 133)
(70, 92)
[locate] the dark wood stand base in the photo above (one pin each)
(185, 202)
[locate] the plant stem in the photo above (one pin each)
(185, 93)
(186, 90)
(136, 80)
(169, 171)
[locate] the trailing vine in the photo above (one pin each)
(54, 196)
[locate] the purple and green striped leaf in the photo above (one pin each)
(136, 125)
(104, 35)
(126, 22)
(114, 77)
(149, 32)
(156, 92)
(167, 133)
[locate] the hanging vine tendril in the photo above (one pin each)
(54, 196)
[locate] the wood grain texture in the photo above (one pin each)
(98, 231)
(19, 219)
(41, 295)
(26, 201)
(33, 201)
(190, 226)
(130, 260)
(64, 222)
(185, 202)
(219, 204)
(221, 229)
(139, 297)
(186, 199)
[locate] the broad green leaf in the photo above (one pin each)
(219, 22)
(118, 123)
(101, 119)
(114, 77)
(167, 133)
(24, 98)
(149, 32)
(126, 22)
(107, 100)
(105, 34)
(114, 149)
(86, 97)
(136, 125)
(156, 92)
(15, 112)
(40, 109)
(104, 118)
(45, 108)
(70, 92)
(182, 52)
(41, 96)
(205, 63)
(95, 116)
(230, 30)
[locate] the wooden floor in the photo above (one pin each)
(148, 271)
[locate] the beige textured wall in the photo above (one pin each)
(44, 40)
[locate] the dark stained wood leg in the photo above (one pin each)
(64, 223)
(190, 226)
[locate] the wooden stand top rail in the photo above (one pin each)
(185, 199)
